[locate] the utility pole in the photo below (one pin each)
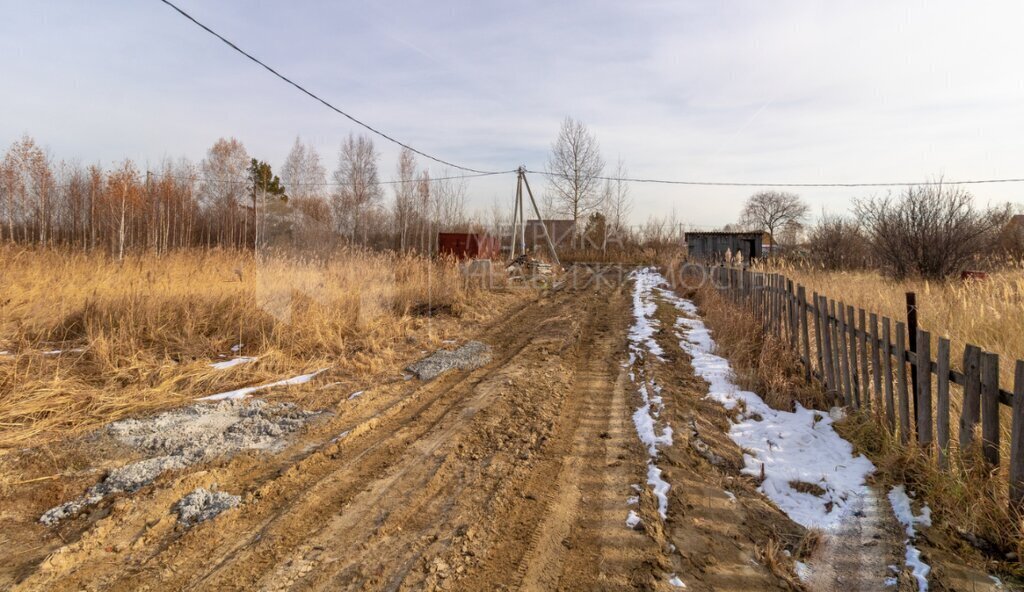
(517, 213)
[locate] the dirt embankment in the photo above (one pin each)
(516, 475)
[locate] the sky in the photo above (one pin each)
(739, 91)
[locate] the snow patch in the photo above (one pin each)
(231, 363)
(245, 392)
(676, 582)
(789, 447)
(900, 502)
(803, 571)
(632, 519)
(355, 395)
(659, 486)
(641, 344)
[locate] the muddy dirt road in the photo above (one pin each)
(524, 474)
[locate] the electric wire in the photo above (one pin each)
(320, 100)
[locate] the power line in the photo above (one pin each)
(744, 184)
(322, 101)
(202, 179)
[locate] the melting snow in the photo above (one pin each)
(355, 395)
(659, 486)
(905, 514)
(632, 519)
(675, 581)
(245, 392)
(646, 417)
(798, 446)
(231, 363)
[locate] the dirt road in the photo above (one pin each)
(517, 475)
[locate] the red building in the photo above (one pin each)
(469, 245)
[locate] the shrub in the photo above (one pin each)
(932, 231)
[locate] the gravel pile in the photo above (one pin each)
(183, 437)
(203, 504)
(471, 355)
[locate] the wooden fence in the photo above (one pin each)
(867, 369)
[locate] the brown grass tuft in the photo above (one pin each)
(762, 363)
(140, 334)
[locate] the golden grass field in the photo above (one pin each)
(986, 312)
(140, 334)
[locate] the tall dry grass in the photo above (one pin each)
(140, 334)
(986, 312)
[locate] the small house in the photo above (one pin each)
(561, 232)
(469, 245)
(715, 245)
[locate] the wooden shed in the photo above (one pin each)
(469, 245)
(713, 245)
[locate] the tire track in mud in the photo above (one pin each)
(415, 410)
(298, 523)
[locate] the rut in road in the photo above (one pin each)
(513, 470)
(518, 475)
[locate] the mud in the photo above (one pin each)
(202, 504)
(183, 437)
(468, 357)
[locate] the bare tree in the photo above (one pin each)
(837, 242)
(617, 203)
(358, 190)
(772, 210)
(405, 196)
(224, 190)
(302, 174)
(931, 230)
(573, 168)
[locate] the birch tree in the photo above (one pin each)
(573, 168)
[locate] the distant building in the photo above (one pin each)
(469, 245)
(561, 232)
(714, 245)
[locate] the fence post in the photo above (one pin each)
(876, 360)
(912, 340)
(942, 401)
(901, 381)
(990, 407)
(844, 355)
(855, 380)
(801, 296)
(865, 375)
(890, 407)
(819, 345)
(826, 330)
(970, 411)
(924, 389)
(837, 356)
(1017, 442)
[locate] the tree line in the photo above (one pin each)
(229, 199)
(931, 230)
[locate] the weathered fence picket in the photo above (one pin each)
(853, 360)
(924, 389)
(990, 407)
(901, 381)
(890, 407)
(942, 401)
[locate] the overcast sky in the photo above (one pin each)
(718, 91)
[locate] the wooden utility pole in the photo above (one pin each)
(519, 221)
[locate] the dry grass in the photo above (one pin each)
(986, 312)
(148, 327)
(762, 363)
(968, 501)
